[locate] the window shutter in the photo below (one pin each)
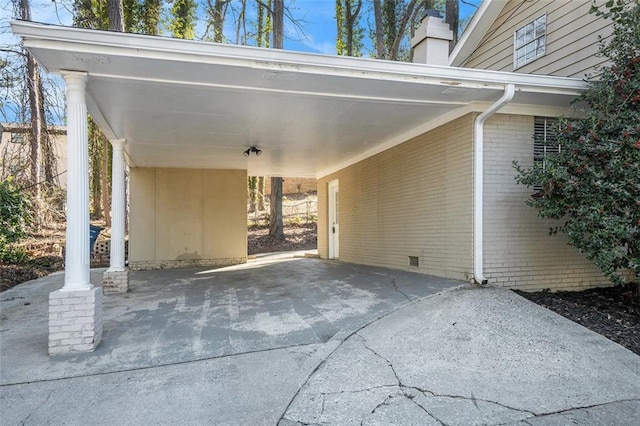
(544, 142)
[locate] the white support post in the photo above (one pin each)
(116, 278)
(77, 245)
(75, 311)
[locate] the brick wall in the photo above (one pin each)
(411, 200)
(416, 200)
(518, 251)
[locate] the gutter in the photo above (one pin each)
(478, 182)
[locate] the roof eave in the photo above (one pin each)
(482, 20)
(140, 46)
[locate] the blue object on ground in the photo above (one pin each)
(94, 231)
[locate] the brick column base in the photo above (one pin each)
(115, 281)
(75, 320)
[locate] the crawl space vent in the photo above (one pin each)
(413, 261)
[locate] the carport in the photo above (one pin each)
(180, 114)
(277, 302)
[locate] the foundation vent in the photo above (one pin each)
(413, 261)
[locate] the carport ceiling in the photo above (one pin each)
(182, 103)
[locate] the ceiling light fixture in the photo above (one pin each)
(252, 149)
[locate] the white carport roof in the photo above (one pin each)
(181, 103)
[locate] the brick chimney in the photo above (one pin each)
(431, 41)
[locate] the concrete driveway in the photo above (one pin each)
(303, 341)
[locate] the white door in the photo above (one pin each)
(334, 223)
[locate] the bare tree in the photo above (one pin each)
(115, 13)
(278, 24)
(40, 144)
(391, 20)
(276, 223)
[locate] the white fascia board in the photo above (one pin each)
(482, 20)
(139, 46)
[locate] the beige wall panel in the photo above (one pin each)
(411, 200)
(178, 214)
(519, 253)
(187, 217)
(572, 38)
(142, 224)
(224, 214)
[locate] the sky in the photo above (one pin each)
(317, 19)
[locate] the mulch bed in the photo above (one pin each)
(613, 312)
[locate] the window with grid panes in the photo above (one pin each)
(530, 42)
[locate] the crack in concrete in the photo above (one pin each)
(36, 409)
(395, 287)
(360, 390)
(488, 401)
(426, 392)
(586, 407)
(400, 385)
(364, 343)
(296, 422)
(426, 411)
(385, 402)
(349, 335)
(324, 398)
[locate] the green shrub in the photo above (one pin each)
(592, 186)
(15, 216)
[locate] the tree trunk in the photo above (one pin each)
(261, 193)
(218, 20)
(36, 109)
(377, 13)
(241, 33)
(33, 78)
(116, 19)
(351, 22)
(95, 161)
(276, 225)
(104, 181)
(50, 161)
(401, 30)
(278, 24)
(252, 193)
(151, 16)
(452, 18)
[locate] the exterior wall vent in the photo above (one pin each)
(413, 261)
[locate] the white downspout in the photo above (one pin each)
(478, 170)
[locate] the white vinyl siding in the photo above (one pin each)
(571, 39)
